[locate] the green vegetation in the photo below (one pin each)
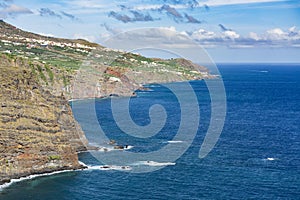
(54, 157)
(65, 81)
(50, 73)
(41, 73)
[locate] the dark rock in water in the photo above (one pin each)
(93, 148)
(119, 147)
(114, 95)
(112, 142)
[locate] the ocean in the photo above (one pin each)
(257, 155)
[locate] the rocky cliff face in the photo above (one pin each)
(38, 132)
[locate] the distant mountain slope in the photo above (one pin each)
(66, 58)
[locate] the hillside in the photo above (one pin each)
(60, 61)
(40, 74)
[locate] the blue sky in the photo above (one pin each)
(230, 31)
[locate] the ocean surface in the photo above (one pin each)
(256, 157)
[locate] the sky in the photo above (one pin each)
(229, 31)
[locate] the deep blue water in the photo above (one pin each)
(257, 155)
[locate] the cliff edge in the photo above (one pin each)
(37, 129)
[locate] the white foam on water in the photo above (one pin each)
(128, 147)
(175, 141)
(260, 71)
(109, 167)
(108, 149)
(98, 167)
(82, 163)
(153, 163)
(33, 176)
(12, 181)
(270, 159)
(152, 86)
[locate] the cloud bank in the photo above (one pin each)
(46, 12)
(137, 16)
(271, 38)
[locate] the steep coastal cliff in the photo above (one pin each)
(40, 74)
(38, 132)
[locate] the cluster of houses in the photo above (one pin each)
(17, 40)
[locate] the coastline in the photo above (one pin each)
(7, 182)
(39, 133)
(33, 176)
(81, 166)
(145, 87)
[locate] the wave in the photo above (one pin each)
(152, 86)
(128, 147)
(98, 167)
(270, 159)
(33, 176)
(107, 149)
(175, 141)
(82, 163)
(260, 71)
(109, 167)
(145, 91)
(153, 163)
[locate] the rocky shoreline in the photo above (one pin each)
(43, 172)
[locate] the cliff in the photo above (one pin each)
(38, 132)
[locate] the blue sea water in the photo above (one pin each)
(257, 155)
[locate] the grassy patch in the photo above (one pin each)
(41, 73)
(54, 157)
(50, 73)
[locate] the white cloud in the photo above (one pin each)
(292, 29)
(90, 4)
(274, 37)
(46, 34)
(86, 4)
(230, 35)
(183, 5)
(202, 34)
(89, 38)
(170, 37)
(16, 9)
(276, 34)
(254, 36)
(13, 10)
(232, 2)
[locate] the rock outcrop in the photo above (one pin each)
(37, 129)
